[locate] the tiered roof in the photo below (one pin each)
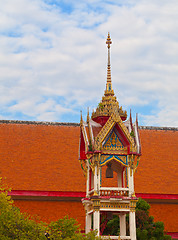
(109, 103)
(108, 115)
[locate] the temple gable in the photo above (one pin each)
(113, 142)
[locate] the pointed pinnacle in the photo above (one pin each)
(108, 41)
(109, 83)
(88, 115)
(81, 119)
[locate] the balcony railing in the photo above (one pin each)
(114, 192)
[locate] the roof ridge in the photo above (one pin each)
(77, 124)
(39, 123)
(159, 128)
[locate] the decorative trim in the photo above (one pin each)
(157, 196)
(114, 143)
(102, 134)
(118, 120)
(107, 158)
(114, 118)
(112, 152)
(114, 206)
(133, 203)
(174, 235)
(96, 204)
(30, 193)
(75, 194)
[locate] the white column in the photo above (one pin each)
(122, 224)
(131, 183)
(95, 179)
(123, 177)
(132, 225)
(99, 178)
(88, 223)
(88, 180)
(96, 221)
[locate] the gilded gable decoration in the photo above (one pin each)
(113, 143)
(114, 119)
(118, 158)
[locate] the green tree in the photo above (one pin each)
(14, 224)
(65, 228)
(68, 229)
(147, 229)
(20, 226)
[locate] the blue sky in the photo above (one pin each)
(53, 58)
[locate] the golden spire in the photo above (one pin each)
(109, 89)
(109, 103)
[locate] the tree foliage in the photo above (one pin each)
(20, 226)
(14, 224)
(147, 229)
(64, 229)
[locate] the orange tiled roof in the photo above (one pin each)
(157, 170)
(166, 213)
(44, 157)
(41, 156)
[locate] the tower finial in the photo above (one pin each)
(108, 41)
(109, 84)
(81, 119)
(88, 115)
(109, 103)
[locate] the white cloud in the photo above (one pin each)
(54, 61)
(165, 117)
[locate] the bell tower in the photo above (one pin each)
(109, 153)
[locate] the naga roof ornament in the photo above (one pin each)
(109, 103)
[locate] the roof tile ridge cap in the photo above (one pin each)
(158, 128)
(38, 122)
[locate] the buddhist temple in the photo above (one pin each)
(109, 144)
(93, 169)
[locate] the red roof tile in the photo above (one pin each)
(44, 157)
(167, 214)
(41, 157)
(157, 170)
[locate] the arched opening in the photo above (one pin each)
(119, 175)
